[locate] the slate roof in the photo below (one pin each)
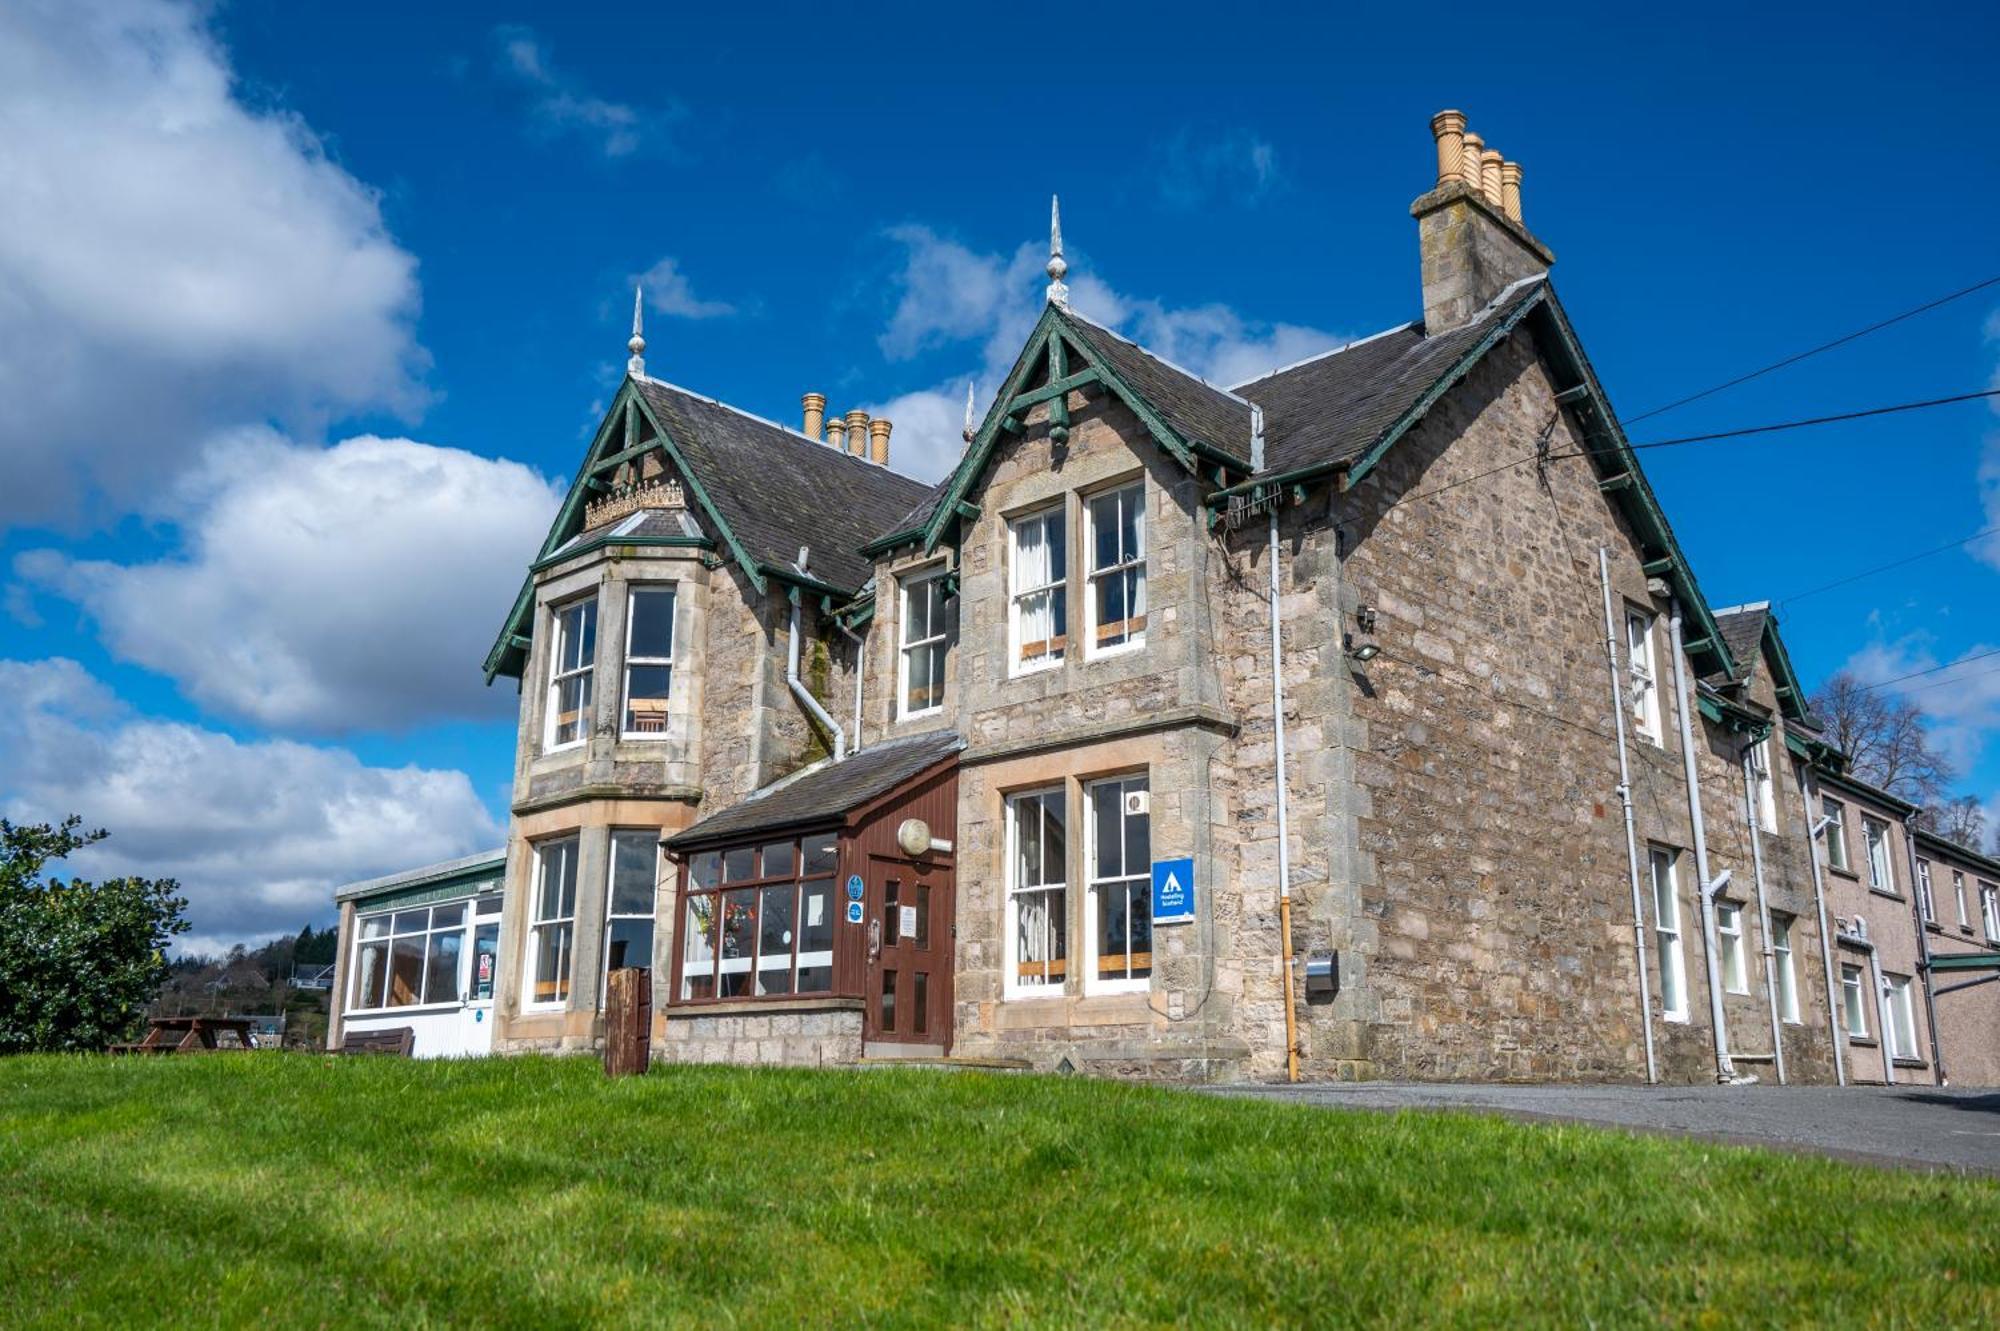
(1742, 628)
(778, 490)
(828, 791)
(1333, 408)
(1195, 408)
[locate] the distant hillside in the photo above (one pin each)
(255, 981)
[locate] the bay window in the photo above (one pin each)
(920, 684)
(1120, 907)
(757, 921)
(628, 900)
(1037, 892)
(1667, 948)
(552, 923)
(649, 661)
(1115, 601)
(1038, 573)
(572, 657)
(1643, 673)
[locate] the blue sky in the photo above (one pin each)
(305, 309)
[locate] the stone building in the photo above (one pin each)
(1364, 719)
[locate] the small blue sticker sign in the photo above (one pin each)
(854, 912)
(1173, 891)
(854, 888)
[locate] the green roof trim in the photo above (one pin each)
(1785, 680)
(1856, 786)
(1965, 961)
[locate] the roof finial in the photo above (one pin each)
(1058, 293)
(970, 429)
(637, 365)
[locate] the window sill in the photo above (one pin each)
(1119, 989)
(1736, 993)
(1028, 672)
(1884, 892)
(412, 1010)
(1862, 1042)
(688, 1009)
(924, 715)
(1848, 874)
(643, 737)
(1909, 1062)
(1675, 1019)
(1112, 653)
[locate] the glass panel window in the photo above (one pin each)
(1958, 890)
(371, 972)
(649, 661)
(1120, 857)
(1876, 834)
(1038, 570)
(1925, 903)
(1854, 1002)
(1788, 980)
(819, 853)
(1644, 674)
(1989, 907)
(1116, 599)
(1729, 931)
(777, 936)
(923, 645)
(1902, 1017)
(739, 941)
(1836, 832)
(409, 958)
(628, 900)
(1667, 936)
(552, 926)
(572, 656)
(698, 947)
(769, 932)
(1761, 785)
(816, 935)
(1037, 897)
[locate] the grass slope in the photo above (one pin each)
(239, 1189)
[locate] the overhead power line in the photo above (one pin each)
(1938, 684)
(1884, 568)
(1932, 670)
(1825, 346)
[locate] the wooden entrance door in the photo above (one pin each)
(909, 954)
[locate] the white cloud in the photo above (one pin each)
(667, 290)
(171, 261)
(951, 294)
(1195, 171)
(1961, 705)
(258, 832)
(558, 105)
(329, 590)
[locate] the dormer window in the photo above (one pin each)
(572, 657)
(1116, 532)
(1038, 569)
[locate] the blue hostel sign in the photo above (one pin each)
(1173, 891)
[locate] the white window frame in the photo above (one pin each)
(1925, 901)
(565, 979)
(1760, 772)
(387, 943)
(1054, 522)
(1116, 788)
(1134, 565)
(1989, 909)
(1854, 1001)
(558, 639)
(1669, 950)
(1881, 868)
(1729, 942)
(1902, 1012)
(632, 594)
(651, 914)
(1836, 833)
(1958, 890)
(1788, 976)
(927, 581)
(1643, 674)
(1055, 889)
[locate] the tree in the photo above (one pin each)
(78, 961)
(1885, 738)
(1962, 820)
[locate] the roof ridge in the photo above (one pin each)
(1745, 608)
(1179, 369)
(799, 435)
(1333, 351)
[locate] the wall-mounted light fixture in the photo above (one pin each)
(1364, 618)
(1366, 651)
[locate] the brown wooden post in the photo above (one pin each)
(628, 1021)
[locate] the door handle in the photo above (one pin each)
(874, 939)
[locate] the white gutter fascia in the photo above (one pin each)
(1625, 800)
(1724, 1070)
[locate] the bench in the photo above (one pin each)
(396, 1041)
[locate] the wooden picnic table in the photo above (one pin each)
(189, 1035)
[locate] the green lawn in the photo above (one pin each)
(294, 1191)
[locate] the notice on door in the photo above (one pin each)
(906, 922)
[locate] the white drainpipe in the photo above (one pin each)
(1724, 1070)
(1815, 829)
(1625, 799)
(860, 674)
(799, 690)
(1751, 815)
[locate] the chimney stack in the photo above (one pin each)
(857, 432)
(815, 405)
(1472, 241)
(836, 432)
(878, 441)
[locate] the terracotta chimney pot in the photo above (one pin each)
(878, 441)
(857, 432)
(1448, 128)
(1510, 190)
(815, 405)
(836, 432)
(1489, 175)
(1468, 159)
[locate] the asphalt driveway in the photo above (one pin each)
(1913, 1126)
